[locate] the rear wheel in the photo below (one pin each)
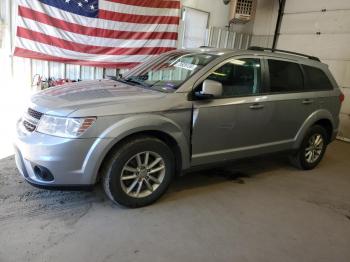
(138, 172)
(312, 149)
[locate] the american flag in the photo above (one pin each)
(107, 33)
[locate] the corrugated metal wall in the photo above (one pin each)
(225, 38)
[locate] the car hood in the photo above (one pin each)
(65, 99)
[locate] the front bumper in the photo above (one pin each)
(72, 162)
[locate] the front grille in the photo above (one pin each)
(34, 114)
(30, 127)
(31, 119)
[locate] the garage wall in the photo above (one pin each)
(219, 12)
(306, 28)
(265, 23)
(218, 17)
(325, 34)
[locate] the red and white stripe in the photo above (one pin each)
(126, 33)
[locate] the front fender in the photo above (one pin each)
(310, 121)
(131, 125)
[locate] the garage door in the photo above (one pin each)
(321, 28)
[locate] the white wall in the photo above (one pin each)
(219, 12)
(303, 19)
(265, 22)
(219, 18)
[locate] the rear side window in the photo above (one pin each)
(285, 77)
(316, 79)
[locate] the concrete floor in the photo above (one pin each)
(258, 210)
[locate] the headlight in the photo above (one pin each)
(64, 127)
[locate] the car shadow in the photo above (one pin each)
(19, 199)
(238, 172)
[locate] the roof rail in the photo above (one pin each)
(258, 48)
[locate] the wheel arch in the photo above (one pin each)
(166, 138)
(321, 117)
(327, 125)
(144, 125)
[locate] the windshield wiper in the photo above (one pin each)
(132, 80)
(135, 80)
(118, 79)
(115, 78)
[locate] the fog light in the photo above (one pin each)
(43, 173)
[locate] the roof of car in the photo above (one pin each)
(302, 58)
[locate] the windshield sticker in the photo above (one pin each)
(185, 66)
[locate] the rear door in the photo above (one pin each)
(318, 82)
(291, 102)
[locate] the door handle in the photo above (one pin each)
(307, 101)
(256, 106)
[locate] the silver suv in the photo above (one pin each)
(184, 109)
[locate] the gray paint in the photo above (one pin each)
(205, 131)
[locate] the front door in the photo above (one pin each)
(232, 124)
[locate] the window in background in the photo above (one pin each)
(285, 77)
(317, 79)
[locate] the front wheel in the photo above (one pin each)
(138, 172)
(312, 149)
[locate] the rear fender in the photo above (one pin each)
(309, 122)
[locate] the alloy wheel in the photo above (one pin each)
(314, 148)
(142, 174)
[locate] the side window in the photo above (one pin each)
(239, 77)
(317, 79)
(285, 77)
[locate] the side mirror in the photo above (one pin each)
(210, 89)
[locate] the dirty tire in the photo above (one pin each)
(112, 170)
(299, 159)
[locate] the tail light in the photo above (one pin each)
(341, 98)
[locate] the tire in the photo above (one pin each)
(125, 169)
(301, 159)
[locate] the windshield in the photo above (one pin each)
(170, 72)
